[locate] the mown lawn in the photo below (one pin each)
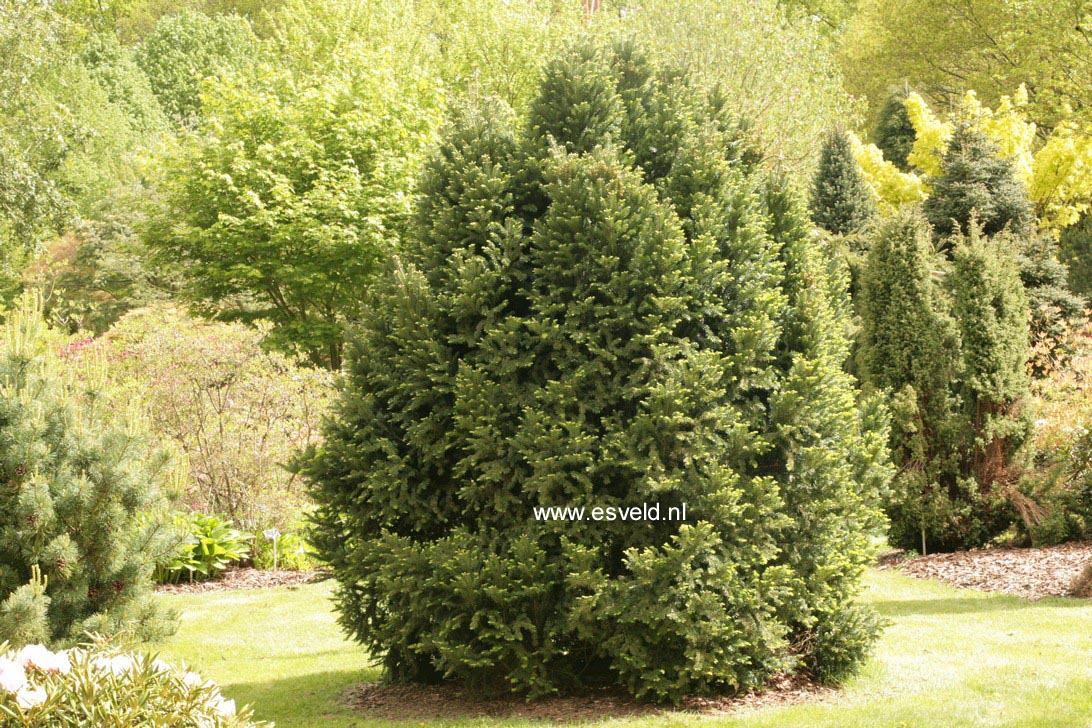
(950, 657)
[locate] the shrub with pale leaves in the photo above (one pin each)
(97, 685)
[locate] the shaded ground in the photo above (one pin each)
(243, 579)
(1028, 573)
(434, 702)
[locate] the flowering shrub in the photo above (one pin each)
(237, 411)
(96, 685)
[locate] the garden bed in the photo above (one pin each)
(1031, 573)
(376, 701)
(244, 579)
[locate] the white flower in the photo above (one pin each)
(161, 666)
(193, 679)
(1041, 423)
(118, 665)
(13, 677)
(41, 658)
(224, 707)
(29, 697)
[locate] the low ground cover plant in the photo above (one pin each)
(98, 685)
(209, 544)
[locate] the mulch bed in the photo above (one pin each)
(1027, 573)
(243, 579)
(376, 701)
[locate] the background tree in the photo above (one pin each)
(80, 516)
(841, 201)
(944, 48)
(894, 134)
(1076, 251)
(989, 302)
(975, 180)
(292, 191)
(184, 49)
(910, 348)
(599, 310)
(953, 358)
(778, 73)
(235, 411)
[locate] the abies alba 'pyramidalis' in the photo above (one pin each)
(603, 305)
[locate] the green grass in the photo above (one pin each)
(949, 657)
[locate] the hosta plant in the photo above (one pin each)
(211, 545)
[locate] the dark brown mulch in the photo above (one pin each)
(243, 579)
(1027, 573)
(376, 701)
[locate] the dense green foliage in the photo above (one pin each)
(602, 310)
(79, 534)
(1076, 252)
(952, 355)
(71, 111)
(894, 134)
(184, 49)
(841, 202)
(976, 181)
(292, 191)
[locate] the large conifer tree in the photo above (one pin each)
(601, 307)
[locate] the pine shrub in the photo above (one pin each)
(602, 307)
(841, 201)
(78, 494)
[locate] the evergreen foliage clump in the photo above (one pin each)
(951, 351)
(600, 306)
(841, 201)
(894, 133)
(78, 494)
(976, 181)
(1076, 252)
(978, 186)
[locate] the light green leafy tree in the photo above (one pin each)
(292, 190)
